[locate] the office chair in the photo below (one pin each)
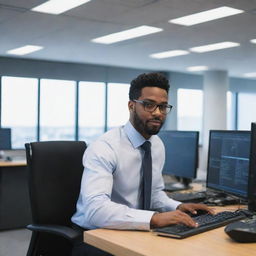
(55, 170)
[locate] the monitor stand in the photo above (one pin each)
(181, 184)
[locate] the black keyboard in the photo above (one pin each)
(206, 197)
(193, 197)
(206, 222)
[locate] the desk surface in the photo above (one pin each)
(12, 163)
(141, 243)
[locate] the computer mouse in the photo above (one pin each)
(243, 231)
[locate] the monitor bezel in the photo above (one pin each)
(252, 170)
(208, 163)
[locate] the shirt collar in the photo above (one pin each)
(133, 135)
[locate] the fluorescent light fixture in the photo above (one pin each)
(253, 41)
(205, 16)
(213, 47)
(126, 34)
(25, 50)
(168, 54)
(58, 6)
(197, 68)
(253, 74)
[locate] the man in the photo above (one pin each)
(113, 184)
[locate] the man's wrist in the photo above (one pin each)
(153, 221)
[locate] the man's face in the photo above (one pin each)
(148, 123)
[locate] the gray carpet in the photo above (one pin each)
(14, 242)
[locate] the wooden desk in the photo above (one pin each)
(12, 163)
(15, 209)
(140, 243)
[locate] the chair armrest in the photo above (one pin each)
(72, 235)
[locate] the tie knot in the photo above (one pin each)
(146, 146)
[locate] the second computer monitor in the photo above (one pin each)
(181, 153)
(228, 162)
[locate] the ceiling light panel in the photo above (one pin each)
(27, 49)
(253, 74)
(168, 54)
(126, 34)
(253, 41)
(197, 68)
(205, 16)
(214, 47)
(58, 6)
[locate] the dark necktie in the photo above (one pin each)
(147, 175)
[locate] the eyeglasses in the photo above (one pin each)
(151, 107)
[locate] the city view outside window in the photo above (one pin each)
(190, 109)
(246, 110)
(57, 110)
(91, 110)
(19, 108)
(118, 97)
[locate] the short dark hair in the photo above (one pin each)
(147, 80)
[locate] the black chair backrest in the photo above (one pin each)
(55, 171)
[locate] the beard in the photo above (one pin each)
(146, 128)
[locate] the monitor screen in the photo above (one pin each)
(228, 162)
(181, 153)
(252, 171)
(5, 139)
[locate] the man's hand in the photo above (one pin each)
(179, 216)
(193, 208)
(169, 218)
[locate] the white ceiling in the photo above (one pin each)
(67, 37)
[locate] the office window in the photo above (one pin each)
(57, 110)
(19, 108)
(190, 109)
(118, 97)
(91, 110)
(246, 110)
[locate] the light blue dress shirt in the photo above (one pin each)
(110, 195)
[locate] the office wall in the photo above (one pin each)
(242, 85)
(67, 71)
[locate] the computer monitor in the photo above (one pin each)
(181, 156)
(252, 171)
(5, 139)
(228, 162)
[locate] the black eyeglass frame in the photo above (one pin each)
(163, 108)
